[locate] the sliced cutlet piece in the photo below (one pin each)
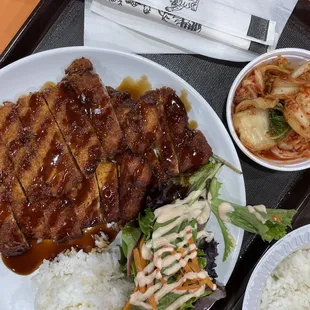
(19, 144)
(139, 121)
(159, 175)
(18, 140)
(134, 179)
(86, 203)
(130, 121)
(12, 240)
(164, 144)
(75, 127)
(95, 100)
(52, 170)
(192, 148)
(62, 219)
(107, 177)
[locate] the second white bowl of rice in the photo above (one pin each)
(281, 279)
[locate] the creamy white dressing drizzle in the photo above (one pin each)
(183, 299)
(258, 211)
(207, 235)
(168, 252)
(223, 209)
(146, 251)
(261, 208)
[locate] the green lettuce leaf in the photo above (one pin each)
(130, 237)
(202, 260)
(274, 228)
(229, 242)
(198, 181)
(190, 303)
(146, 223)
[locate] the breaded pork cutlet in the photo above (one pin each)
(62, 219)
(52, 170)
(12, 239)
(68, 215)
(86, 203)
(75, 127)
(158, 173)
(95, 101)
(134, 180)
(164, 144)
(138, 120)
(191, 147)
(107, 177)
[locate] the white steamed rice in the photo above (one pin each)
(288, 287)
(76, 280)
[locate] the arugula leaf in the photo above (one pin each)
(278, 127)
(130, 237)
(146, 223)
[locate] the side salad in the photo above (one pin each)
(169, 255)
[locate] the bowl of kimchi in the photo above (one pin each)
(268, 110)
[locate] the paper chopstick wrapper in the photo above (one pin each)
(218, 16)
(131, 11)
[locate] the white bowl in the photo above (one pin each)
(294, 55)
(296, 240)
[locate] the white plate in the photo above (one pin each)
(296, 240)
(30, 73)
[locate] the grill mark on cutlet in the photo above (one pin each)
(95, 100)
(75, 127)
(52, 171)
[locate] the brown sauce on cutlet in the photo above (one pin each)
(32, 216)
(79, 137)
(193, 125)
(175, 111)
(80, 131)
(109, 196)
(32, 259)
(184, 98)
(136, 88)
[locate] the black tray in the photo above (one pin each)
(60, 23)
